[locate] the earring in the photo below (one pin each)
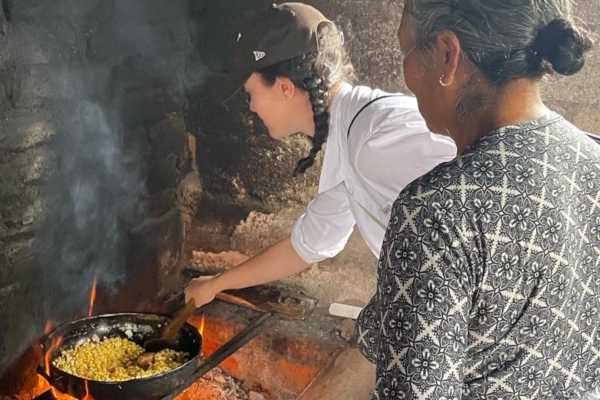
(445, 84)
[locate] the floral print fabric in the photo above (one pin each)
(488, 282)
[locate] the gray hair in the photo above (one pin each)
(505, 39)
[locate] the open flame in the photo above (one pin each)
(48, 353)
(87, 391)
(43, 385)
(201, 327)
(48, 327)
(93, 296)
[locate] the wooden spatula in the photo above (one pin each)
(169, 334)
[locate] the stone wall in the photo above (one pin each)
(96, 172)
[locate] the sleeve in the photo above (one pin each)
(401, 151)
(324, 229)
(424, 302)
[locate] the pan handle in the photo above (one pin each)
(42, 341)
(45, 337)
(42, 353)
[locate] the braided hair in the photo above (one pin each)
(315, 73)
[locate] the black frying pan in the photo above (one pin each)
(137, 327)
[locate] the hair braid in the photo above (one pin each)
(316, 74)
(318, 92)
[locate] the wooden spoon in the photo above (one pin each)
(170, 333)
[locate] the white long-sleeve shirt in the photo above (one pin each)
(389, 146)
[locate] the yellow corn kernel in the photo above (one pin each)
(114, 359)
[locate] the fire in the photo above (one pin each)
(48, 327)
(93, 296)
(43, 385)
(48, 353)
(87, 391)
(201, 327)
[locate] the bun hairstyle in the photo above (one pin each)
(560, 47)
(315, 73)
(507, 39)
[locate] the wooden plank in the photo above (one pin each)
(348, 376)
(285, 303)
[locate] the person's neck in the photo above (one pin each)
(519, 102)
(333, 92)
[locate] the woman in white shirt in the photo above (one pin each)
(292, 65)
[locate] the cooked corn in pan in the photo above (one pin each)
(114, 360)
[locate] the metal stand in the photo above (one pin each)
(222, 354)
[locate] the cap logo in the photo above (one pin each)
(239, 36)
(259, 55)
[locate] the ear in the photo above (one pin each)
(286, 87)
(447, 53)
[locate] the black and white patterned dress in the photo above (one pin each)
(488, 279)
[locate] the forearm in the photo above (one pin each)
(278, 261)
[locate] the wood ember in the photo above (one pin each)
(216, 385)
(255, 396)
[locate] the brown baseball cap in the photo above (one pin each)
(277, 34)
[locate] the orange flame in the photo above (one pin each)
(87, 391)
(201, 327)
(48, 327)
(56, 342)
(93, 296)
(43, 385)
(55, 345)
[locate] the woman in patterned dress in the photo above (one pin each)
(488, 279)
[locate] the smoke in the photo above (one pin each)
(101, 81)
(95, 195)
(98, 192)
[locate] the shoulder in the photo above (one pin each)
(367, 111)
(443, 186)
(370, 108)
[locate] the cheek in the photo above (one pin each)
(262, 107)
(281, 122)
(271, 114)
(414, 77)
(420, 82)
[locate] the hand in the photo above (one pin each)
(201, 290)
